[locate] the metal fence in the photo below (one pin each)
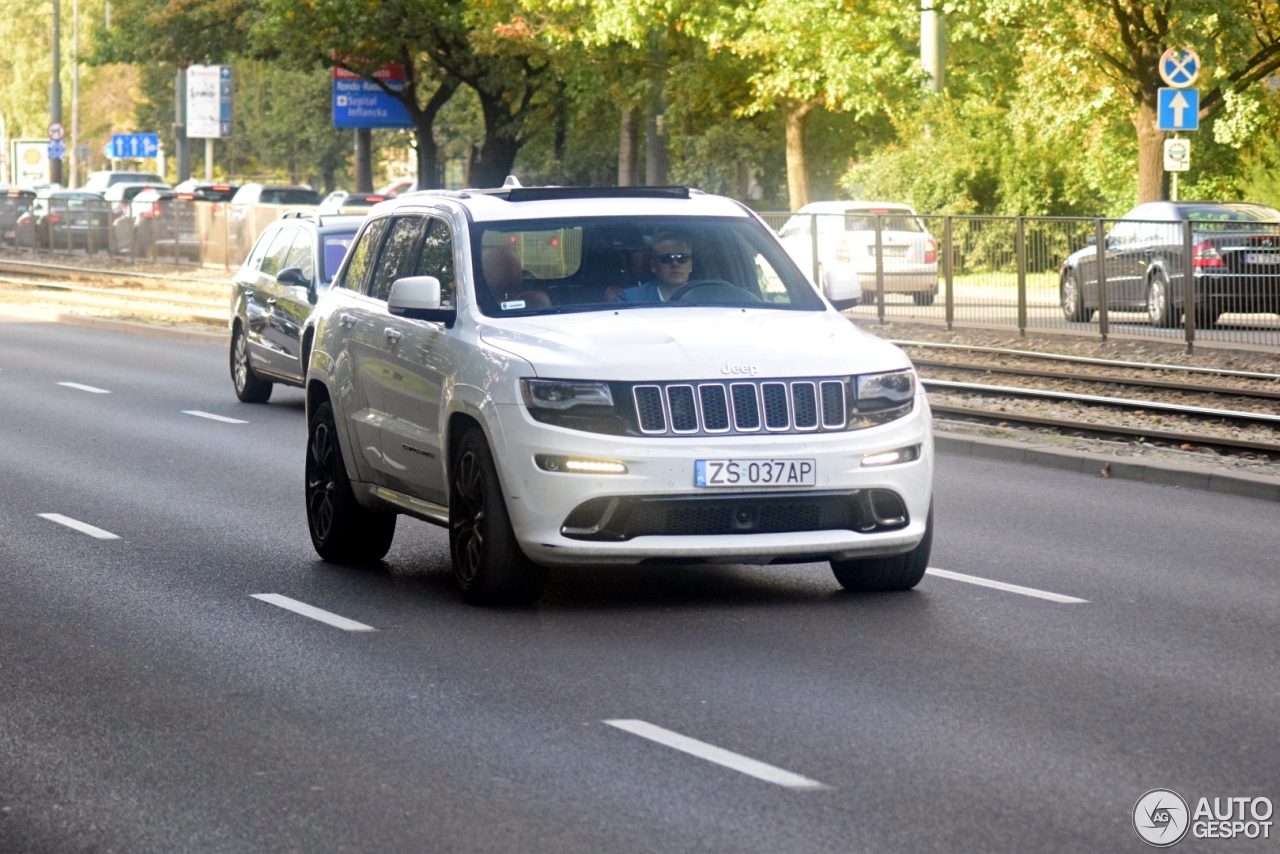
(1042, 272)
(177, 231)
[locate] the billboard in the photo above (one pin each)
(360, 103)
(29, 159)
(209, 102)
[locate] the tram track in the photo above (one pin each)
(1159, 404)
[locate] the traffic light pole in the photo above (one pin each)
(55, 89)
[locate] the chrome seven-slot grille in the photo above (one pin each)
(755, 406)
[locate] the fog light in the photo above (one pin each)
(888, 458)
(548, 462)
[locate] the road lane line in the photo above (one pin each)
(88, 388)
(76, 524)
(198, 414)
(718, 755)
(1008, 588)
(314, 613)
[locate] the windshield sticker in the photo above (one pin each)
(514, 304)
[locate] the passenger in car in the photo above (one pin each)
(671, 264)
(505, 278)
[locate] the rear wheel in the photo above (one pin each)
(898, 572)
(488, 564)
(341, 530)
(1160, 308)
(250, 388)
(923, 297)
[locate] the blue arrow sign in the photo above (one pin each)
(1179, 109)
(135, 144)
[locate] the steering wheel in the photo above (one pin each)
(736, 295)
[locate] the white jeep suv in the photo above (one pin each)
(503, 363)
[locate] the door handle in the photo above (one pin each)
(393, 335)
(347, 320)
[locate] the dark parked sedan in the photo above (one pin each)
(65, 219)
(14, 202)
(1235, 263)
(273, 295)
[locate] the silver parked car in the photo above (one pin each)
(847, 249)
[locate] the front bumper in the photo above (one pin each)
(540, 502)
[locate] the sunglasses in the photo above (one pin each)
(675, 258)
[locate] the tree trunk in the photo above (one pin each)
(428, 155)
(1151, 184)
(629, 148)
(797, 175)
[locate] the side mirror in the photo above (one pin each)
(293, 276)
(418, 298)
(846, 304)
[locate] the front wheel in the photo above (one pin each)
(1160, 308)
(488, 564)
(897, 572)
(1073, 300)
(341, 530)
(250, 388)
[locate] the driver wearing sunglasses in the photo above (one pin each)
(671, 264)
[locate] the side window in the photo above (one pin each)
(797, 227)
(302, 254)
(436, 259)
(357, 270)
(274, 261)
(259, 249)
(396, 257)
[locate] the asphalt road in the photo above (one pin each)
(149, 703)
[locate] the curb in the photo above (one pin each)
(1186, 477)
(147, 330)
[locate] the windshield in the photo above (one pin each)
(289, 197)
(612, 263)
(891, 219)
(1231, 217)
(335, 245)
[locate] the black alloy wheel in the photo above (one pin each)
(250, 388)
(488, 564)
(341, 530)
(896, 572)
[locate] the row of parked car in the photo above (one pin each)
(139, 214)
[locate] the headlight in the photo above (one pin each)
(576, 404)
(874, 392)
(880, 398)
(564, 394)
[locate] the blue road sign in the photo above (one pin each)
(362, 104)
(135, 144)
(1179, 109)
(57, 149)
(1179, 67)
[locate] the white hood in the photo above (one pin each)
(639, 344)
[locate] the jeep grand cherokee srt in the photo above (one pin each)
(483, 362)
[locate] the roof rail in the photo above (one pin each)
(541, 194)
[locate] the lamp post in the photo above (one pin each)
(55, 89)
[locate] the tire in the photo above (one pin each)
(341, 530)
(488, 565)
(250, 388)
(897, 572)
(1072, 300)
(1160, 308)
(923, 297)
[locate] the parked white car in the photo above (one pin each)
(489, 361)
(847, 249)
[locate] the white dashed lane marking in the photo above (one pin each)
(76, 524)
(88, 388)
(1008, 588)
(314, 613)
(225, 420)
(718, 755)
